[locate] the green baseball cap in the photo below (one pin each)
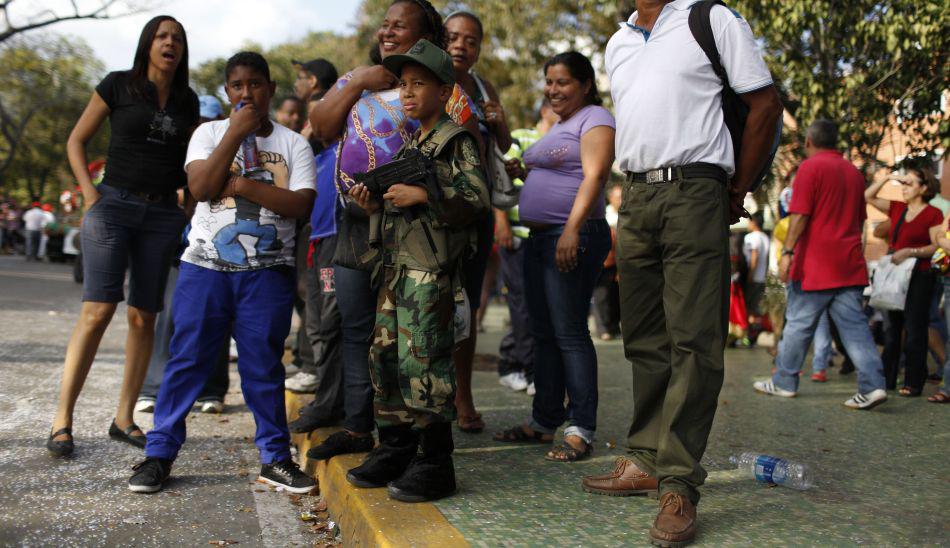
(426, 54)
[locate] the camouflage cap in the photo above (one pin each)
(426, 54)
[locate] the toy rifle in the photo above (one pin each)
(414, 168)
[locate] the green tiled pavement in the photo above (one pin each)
(881, 476)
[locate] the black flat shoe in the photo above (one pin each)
(126, 435)
(341, 443)
(306, 423)
(62, 448)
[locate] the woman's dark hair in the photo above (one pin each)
(138, 81)
(250, 59)
(580, 68)
(927, 180)
(471, 17)
(431, 25)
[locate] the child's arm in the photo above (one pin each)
(328, 116)
(294, 204)
(209, 178)
(465, 196)
(294, 189)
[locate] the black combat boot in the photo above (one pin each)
(397, 446)
(431, 475)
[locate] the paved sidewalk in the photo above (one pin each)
(881, 475)
(84, 500)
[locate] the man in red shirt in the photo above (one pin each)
(823, 264)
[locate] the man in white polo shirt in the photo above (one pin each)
(684, 188)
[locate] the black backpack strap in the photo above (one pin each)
(701, 27)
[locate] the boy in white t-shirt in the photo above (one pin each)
(238, 271)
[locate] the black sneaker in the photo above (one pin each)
(286, 474)
(149, 475)
(340, 443)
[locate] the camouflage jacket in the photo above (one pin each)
(443, 231)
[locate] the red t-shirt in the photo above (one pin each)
(830, 191)
(913, 233)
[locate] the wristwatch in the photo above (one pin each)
(788, 252)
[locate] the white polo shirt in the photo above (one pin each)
(667, 99)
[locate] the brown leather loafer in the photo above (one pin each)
(626, 479)
(675, 525)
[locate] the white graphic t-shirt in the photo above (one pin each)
(235, 234)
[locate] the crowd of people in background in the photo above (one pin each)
(226, 223)
(28, 230)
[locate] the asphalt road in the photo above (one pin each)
(84, 500)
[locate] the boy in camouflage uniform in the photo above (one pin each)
(424, 233)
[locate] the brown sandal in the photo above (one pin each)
(939, 397)
(471, 424)
(568, 453)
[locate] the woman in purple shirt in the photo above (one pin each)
(563, 203)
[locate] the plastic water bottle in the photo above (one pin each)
(774, 470)
(252, 161)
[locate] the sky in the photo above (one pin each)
(216, 28)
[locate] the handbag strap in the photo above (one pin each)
(896, 231)
(480, 86)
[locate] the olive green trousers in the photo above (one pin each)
(673, 261)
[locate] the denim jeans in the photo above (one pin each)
(356, 300)
(33, 244)
(945, 387)
(559, 303)
(803, 312)
(517, 347)
(823, 349)
(123, 232)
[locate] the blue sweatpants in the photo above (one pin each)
(260, 305)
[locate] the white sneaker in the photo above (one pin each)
(867, 401)
(301, 382)
(514, 381)
(530, 390)
(145, 405)
(768, 387)
(212, 406)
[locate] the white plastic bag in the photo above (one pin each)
(889, 283)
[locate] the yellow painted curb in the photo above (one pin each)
(368, 517)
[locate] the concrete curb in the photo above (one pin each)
(368, 517)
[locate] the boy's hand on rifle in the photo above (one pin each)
(406, 196)
(361, 195)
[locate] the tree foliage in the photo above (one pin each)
(208, 78)
(867, 64)
(44, 87)
(34, 18)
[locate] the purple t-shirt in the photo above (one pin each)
(556, 173)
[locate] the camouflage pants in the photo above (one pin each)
(411, 355)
